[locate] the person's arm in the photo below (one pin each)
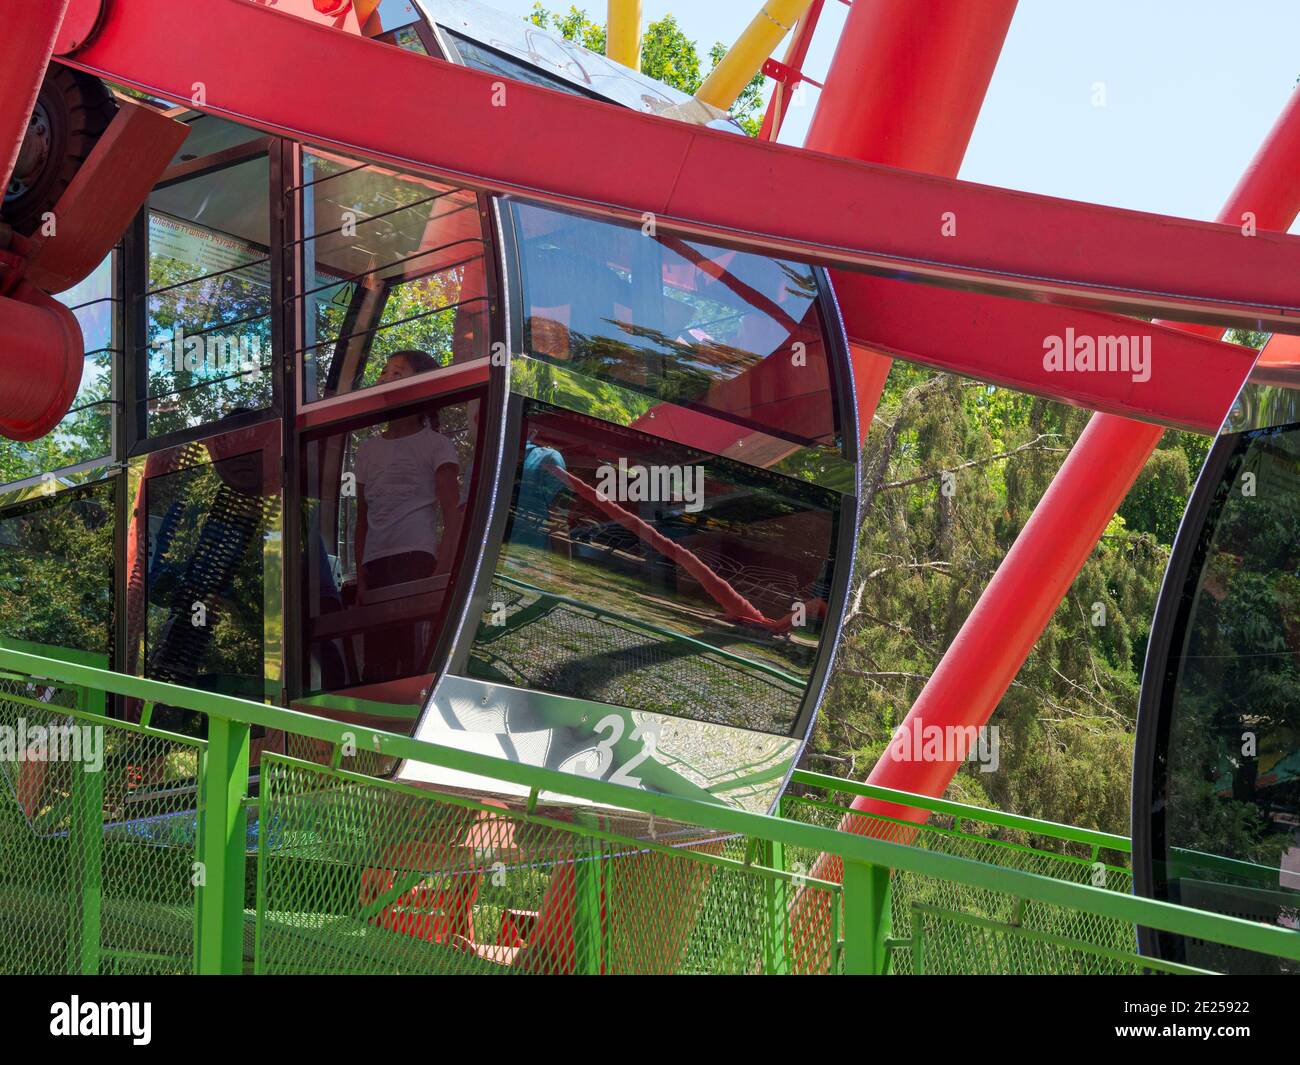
(447, 485)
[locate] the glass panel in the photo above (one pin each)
(86, 432)
(407, 38)
(651, 576)
(210, 135)
(396, 263)
(204, 622)
(736, 335)
(383, 517)
(389, 16)
(209, 297)
(493, 62)
(1234, 744)
(56, 571)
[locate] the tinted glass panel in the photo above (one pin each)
(210, 135)
(205, 597)
(56, 571)
(209, 297)
(647, 575)
(382, 527)
(736, 335)
(1234, 743)
(394, 263)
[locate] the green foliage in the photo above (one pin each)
(667, 55)
(56, 570)
(1066, 723)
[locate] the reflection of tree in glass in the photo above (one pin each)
(56, 567)
(1239, 673)
(234, 306)
(418, 315)
(668, 368)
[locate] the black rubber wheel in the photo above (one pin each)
(71, 113)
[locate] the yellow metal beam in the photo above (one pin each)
(623, 33)
(746, 57)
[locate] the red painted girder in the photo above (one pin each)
(1192, 382)
(904, 89)
(453, 123)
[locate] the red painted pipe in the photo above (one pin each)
(41, 359)
(905, 88)
(1019, 602)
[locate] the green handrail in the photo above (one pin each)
(866, 860)
(1001, 819)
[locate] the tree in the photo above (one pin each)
(926, 555)
(667, 55)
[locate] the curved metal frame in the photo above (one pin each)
(1155, 702)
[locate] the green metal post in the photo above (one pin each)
(866, 919)
(587, 935)
(86, 841)
(222, 839)
(776, 907)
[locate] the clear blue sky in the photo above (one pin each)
(1192, 86)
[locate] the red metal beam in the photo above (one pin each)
(528, 140)
(908, 80)
(904, 89)
(1190, 381)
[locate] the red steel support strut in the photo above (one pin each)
(904, 89)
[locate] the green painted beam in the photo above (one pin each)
(223, 833)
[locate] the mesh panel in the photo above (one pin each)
(992, 947)
(944, 942)
(97, 865)
(362, 876)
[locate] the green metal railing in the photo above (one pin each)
(162, 862)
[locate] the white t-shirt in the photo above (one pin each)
(399, 479)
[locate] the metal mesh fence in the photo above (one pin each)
(1001, 929)
(100, 835)
(97, 832)
(365, 876)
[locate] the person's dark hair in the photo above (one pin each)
(418, 361)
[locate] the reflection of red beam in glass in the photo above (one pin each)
(720, 273)
(735, 604)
